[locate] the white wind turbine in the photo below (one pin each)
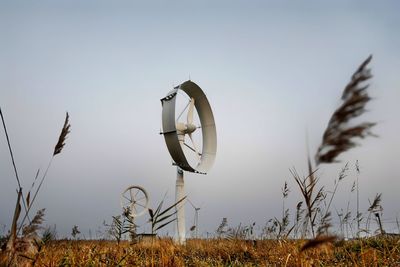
(175, 131)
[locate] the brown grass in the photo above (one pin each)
(318, 241)
(218, 252)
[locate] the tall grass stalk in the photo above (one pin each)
(13, 161)
(17, 211)
(358, 199)
(57, 149)
(10, 150)
(338, 138)
(342, 175)
(306, 186)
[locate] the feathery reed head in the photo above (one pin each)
(61, 140)
(285, 190)
(376, 204)
(36, 224)
(338, 136)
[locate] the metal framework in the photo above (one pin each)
(135, 199)
(170, 132)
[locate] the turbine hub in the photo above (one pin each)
(183, 128)
(190, 128)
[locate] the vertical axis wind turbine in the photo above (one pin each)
(175, 131)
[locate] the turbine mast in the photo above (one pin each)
(180, 208)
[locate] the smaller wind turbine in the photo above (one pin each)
(195, 226)
(134, 203)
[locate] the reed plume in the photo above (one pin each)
(376, 203)
(339, 136)
(31, 230)
(57, 150)
(61, 140)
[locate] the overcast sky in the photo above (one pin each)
(272, 70)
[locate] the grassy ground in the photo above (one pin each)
(366, 252)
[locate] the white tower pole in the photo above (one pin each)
(180, 208)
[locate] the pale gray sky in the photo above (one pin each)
(271, 70)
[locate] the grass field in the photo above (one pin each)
(378, 251)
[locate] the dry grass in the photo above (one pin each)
(218, 252)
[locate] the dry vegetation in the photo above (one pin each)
(383, 251)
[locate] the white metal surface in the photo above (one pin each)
(173, 131)
(135, 198)
(180, 208)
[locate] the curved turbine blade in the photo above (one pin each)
(194, 146)
(190, 112)
(131, 195)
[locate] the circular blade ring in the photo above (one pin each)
(207, 126)
(135, 200)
